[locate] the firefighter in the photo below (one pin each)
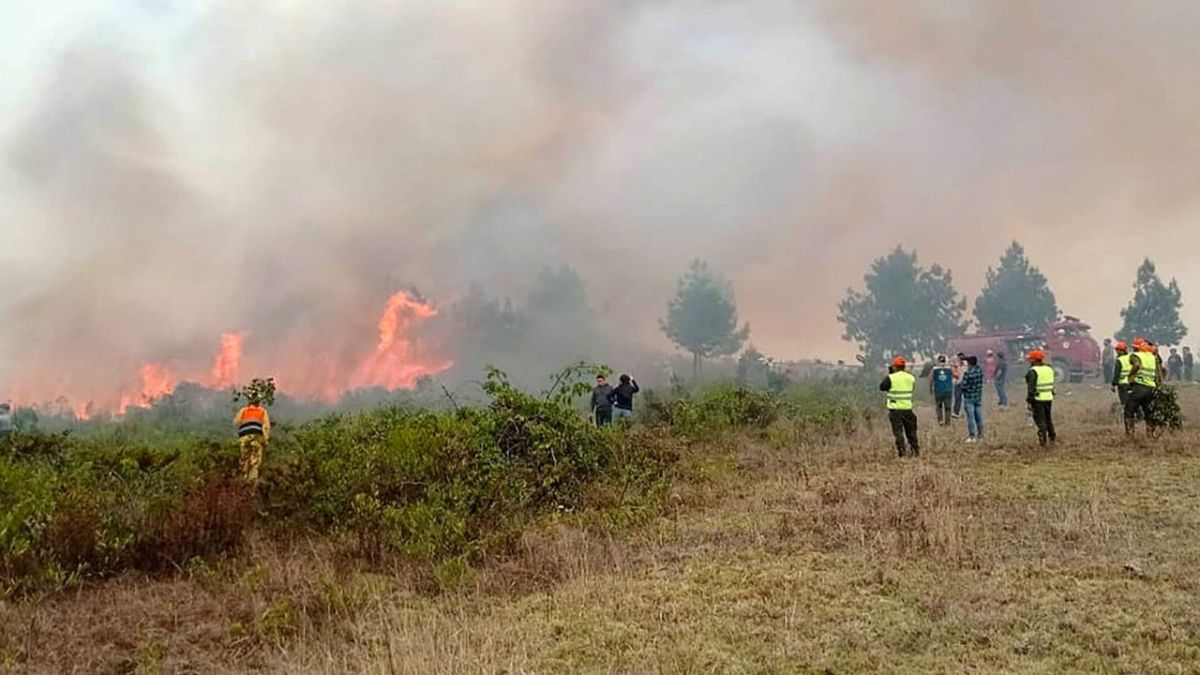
(1120, 375)
(900, 386)
(1039, 384)
(254, 432)
(1144, 380)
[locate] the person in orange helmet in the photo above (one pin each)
(901, 386)
(1145, 377)
(1120, 374)
(1039, 384)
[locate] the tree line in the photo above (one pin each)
(906, 309)
(902, 309)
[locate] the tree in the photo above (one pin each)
(702, 317)
(1016, 295)
(1154, 311)
(753, 368)
(905, 309)
(558, 291)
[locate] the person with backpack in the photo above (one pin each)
(941, 385)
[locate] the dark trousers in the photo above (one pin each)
(1137, 404)
(1043, 418)
(1123, 394)
(904, 427)
(941, 402)
(1109, 368)
(957, 399)
(603, 416)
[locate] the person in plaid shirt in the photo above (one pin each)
(972, 394)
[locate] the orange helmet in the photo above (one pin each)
(1122, 346)
(1138, 342)
(899, 362)
(1037, 355)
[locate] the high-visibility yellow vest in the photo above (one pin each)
(900, 396)
(1045, 383)
(1147, 375)
(1126, 363)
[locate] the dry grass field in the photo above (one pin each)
(778, 554)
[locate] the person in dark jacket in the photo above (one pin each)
(622, 397)
(1174, 366)
(602, 402)
(1120, 374)
(1002, 379)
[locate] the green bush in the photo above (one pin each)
(720, 408)
(436, 484)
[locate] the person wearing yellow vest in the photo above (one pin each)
(901, 386)
(254, 432)
(1144, 379)
(1122, 366)
(1039, 384)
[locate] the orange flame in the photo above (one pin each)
(396, 362)
(228, 361)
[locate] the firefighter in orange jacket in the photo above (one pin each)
(254, 432)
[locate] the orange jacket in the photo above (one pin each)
(253, 419)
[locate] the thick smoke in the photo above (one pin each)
(280, 168)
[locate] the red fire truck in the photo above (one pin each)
(1068, 344)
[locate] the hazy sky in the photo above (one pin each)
(173, 170)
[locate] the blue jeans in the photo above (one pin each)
(974, 411)
(958, 398)
(1002, 392)
(622, 414)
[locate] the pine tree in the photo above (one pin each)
(702, 317)
(1016, 295)
(904, 310)
(1154, 311)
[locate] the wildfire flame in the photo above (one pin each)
(396, 364)
(397, 361)
(228, 361)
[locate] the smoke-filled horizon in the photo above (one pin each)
(278, 169)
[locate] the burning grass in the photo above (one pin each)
(764, 556)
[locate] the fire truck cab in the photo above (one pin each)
(1070, 348)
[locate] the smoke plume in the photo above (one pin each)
(278, 170)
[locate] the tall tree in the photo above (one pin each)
(1016, 295)
(557, 291)
(1154, 311)
(904, 309)
(702, 318)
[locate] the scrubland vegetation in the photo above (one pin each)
(731, 530)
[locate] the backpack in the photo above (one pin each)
(943, 380)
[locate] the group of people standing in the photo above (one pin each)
(609, 402)
(1137, 376)
(1179, 367)
(958, 388)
